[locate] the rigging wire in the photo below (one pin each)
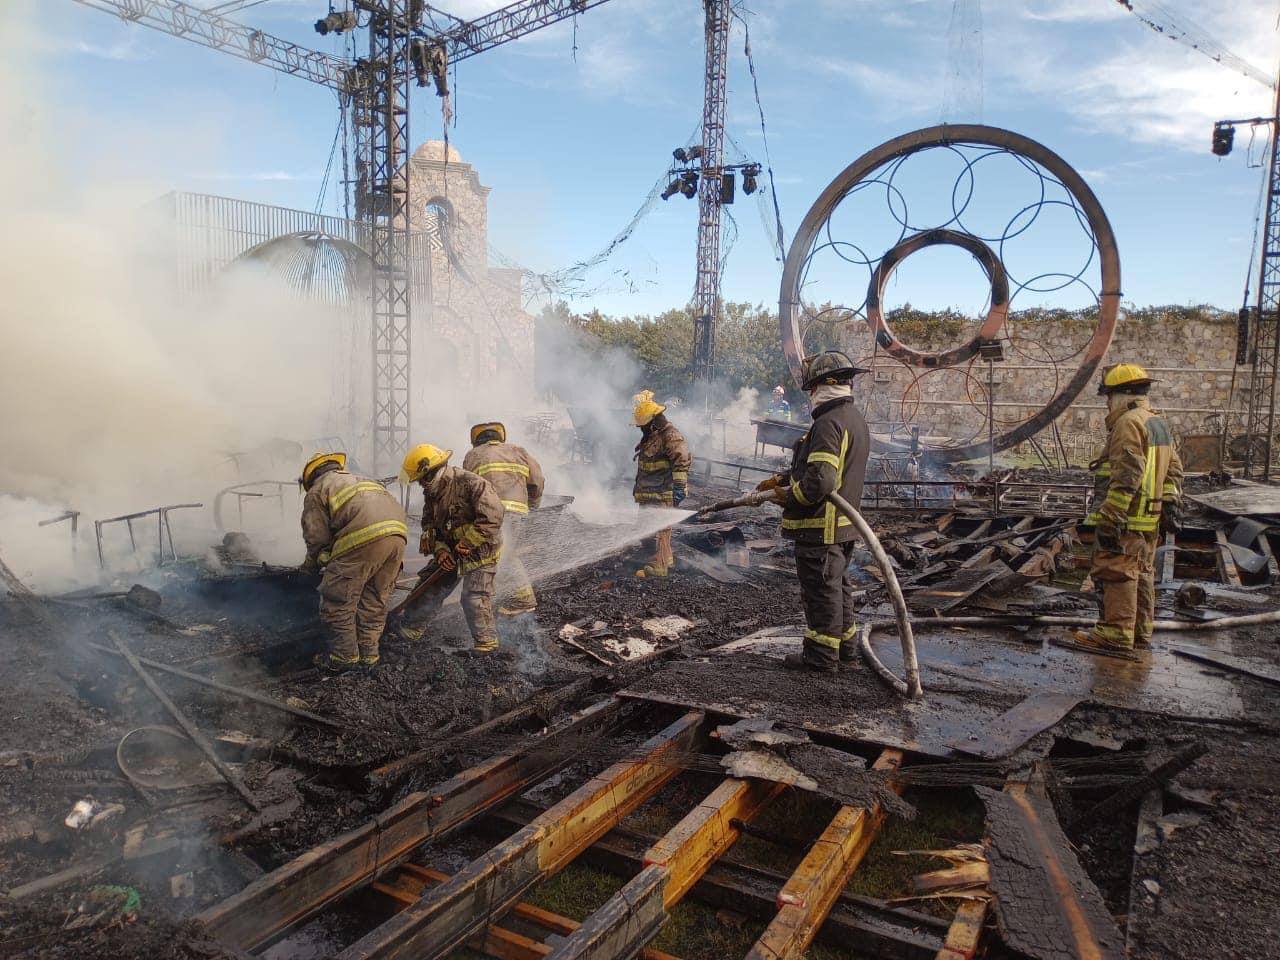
(780, 243)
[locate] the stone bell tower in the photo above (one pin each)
(476, 324)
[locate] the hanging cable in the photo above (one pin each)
(328, 167)
(780, 242)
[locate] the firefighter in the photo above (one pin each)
(517, 478)
(779, 407)
(1137, 492)
(462, 530)
(662, 473)
(831, 456)
(355, 533)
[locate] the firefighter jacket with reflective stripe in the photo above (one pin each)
(514, 473)
(342, 511)
(1140, 469)
(662, 460)
(831, 456)
(460, 506)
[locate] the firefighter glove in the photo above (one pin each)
(1171, 516)
(446, 559)
(1107, 536)
(424, 544)
(771, 483)
(678, 492)
(463, 548)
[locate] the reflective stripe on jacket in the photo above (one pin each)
(342, 511)
(662, 460)
(832, 456)
(515, 474)
(1139, 470)
(460, 506)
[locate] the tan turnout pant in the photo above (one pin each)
(1127, 582)
(354, 592)
(477, 604)
(513, 578)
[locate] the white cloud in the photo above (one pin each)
(260, 176)
(1122, 77)
(897, 90)
(127, 49)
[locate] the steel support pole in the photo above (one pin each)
(382, 134)
(1261, 427)
(706, 292)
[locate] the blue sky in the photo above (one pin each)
(571, 145)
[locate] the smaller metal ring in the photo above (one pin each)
(990, 326)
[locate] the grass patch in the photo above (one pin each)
(943, 819)
(576, 891)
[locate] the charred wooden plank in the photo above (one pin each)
(268, 908)
(450, 914)
(1019, 724)
(1046, 905)
(806, 898)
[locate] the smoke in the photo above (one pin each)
(122, 393)
(119, 393)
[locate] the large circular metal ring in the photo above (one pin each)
(988, 330)
(789, 298)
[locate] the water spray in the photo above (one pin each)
(909, 687)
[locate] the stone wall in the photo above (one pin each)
(1189, 350)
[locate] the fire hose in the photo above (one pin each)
(428, 577)
(909, 687)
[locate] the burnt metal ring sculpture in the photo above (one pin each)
(990, 327)
(1036, 158)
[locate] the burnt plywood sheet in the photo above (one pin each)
(1046, 906)
(1249, 666)
(1016, 726)
(1242, 499)
(853, 704)
(971, 682)
(1159, 682)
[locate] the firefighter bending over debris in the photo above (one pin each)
(1138, 491)
(517, 479)
(662, 473)
(831, 456)
(462, 530)
(355, 532)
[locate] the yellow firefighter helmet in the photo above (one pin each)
(316, 462)
(645, 408)
(421, 460)
(482, 428)
(1121, 375)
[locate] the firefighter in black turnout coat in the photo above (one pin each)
(831, 456)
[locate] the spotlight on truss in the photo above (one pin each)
(689, 185)
(1224, 136)
(749, 181)
(672, 189)
(680, 155)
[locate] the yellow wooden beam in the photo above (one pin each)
(449, 914)
(495, 941)
(697, 841)
(965, 932)
(806, 898)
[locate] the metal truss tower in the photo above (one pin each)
(382, 150)
(379, 92)
(706, 291)
(1260, 432)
